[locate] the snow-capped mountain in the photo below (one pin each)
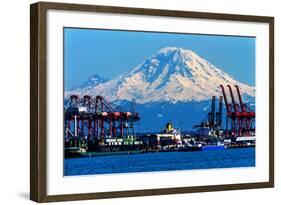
(172, 74)
(92, 82)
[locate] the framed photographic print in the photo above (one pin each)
(135, 102)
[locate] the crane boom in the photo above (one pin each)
(225, 99)
(232, 98)
(240, 98)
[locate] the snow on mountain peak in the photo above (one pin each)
(172, 74)
(92, 81)
(167, 50)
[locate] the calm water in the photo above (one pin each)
(164, 161)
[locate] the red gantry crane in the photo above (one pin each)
(96, 118)
(240, 116)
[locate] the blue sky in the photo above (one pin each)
(110, 53)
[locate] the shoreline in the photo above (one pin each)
(102, 154)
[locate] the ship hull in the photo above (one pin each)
(212, 147)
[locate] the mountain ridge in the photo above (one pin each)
(172, 74)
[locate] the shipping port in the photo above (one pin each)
(94, 126)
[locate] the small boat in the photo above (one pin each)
(213, 146)
(74, 152)
(202, 146)
(190, 148)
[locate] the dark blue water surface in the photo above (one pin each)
(162, 161)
